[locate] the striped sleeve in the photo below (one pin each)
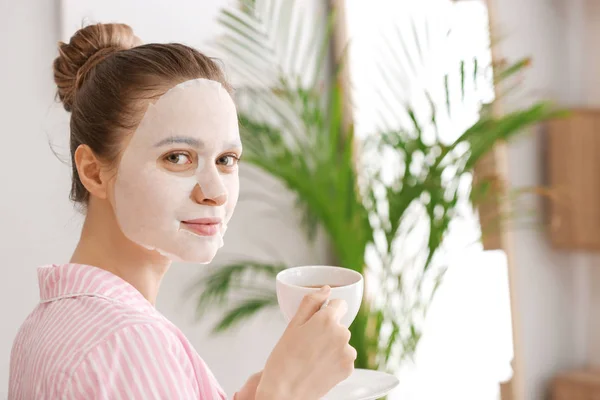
(141, 361)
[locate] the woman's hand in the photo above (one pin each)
(248, 391)
(313, 354)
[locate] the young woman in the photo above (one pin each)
(155, 149)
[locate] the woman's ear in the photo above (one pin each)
(91, 172)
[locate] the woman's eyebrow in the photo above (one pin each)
(196, 143)
(180, 139)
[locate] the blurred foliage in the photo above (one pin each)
(292, 125)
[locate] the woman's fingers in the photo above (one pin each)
(336, 309)
(310, 305)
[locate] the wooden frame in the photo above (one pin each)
(572, 147)
(495, 165)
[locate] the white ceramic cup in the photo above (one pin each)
(293, 284)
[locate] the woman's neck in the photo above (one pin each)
(103, 245)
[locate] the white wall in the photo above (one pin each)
(551, 289)
(37, 222)
(584, 17)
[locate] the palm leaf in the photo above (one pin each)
(249, 279)
(292, 129)
(243, 311)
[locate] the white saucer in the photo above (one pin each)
(363, 384)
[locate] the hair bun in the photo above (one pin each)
(87, 47)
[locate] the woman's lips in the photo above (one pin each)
(203, 226)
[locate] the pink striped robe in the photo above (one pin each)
(94, 336)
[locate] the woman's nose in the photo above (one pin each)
(200, 197)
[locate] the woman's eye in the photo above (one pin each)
(178, 158)
(228, 160)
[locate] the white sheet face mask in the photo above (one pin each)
(177, 183)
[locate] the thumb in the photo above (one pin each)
(310, 304)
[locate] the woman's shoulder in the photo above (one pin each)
(48, 352)
(137, 357)
(81, 307)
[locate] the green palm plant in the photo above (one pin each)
(291, 116)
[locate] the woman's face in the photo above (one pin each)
(177, 182)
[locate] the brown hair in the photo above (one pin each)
(105, 78)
